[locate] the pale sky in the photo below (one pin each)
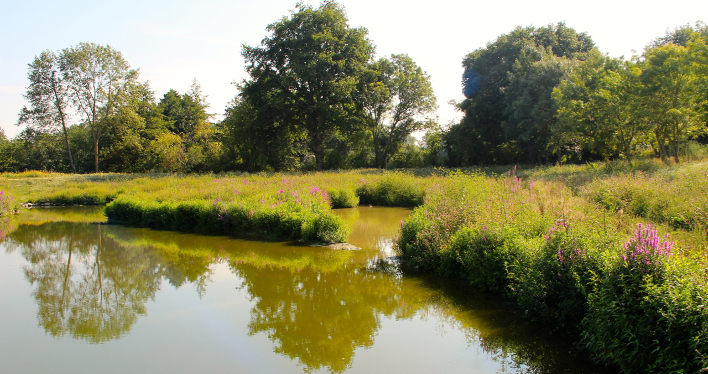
(173, 42)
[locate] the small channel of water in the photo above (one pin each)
(80, 296)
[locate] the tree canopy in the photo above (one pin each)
(306, 71)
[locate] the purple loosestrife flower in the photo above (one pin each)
(646, 248)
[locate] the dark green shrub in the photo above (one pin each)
(394, 189)
(290, 222)
(483, 256)
(343, 198)
(553, 282)
(330, 228)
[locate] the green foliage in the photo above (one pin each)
(483, 256)
(252, 143)
(681, 201)
(99, 79)
(183, 113)
(553, 278)
(672, 93)
(49, 95)
(599, 107)
(330, 228)
(530, 111)
(563, 260)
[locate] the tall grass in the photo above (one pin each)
(677, 196)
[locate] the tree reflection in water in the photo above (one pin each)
(320, 318)
(87, 286)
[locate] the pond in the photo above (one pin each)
(78, 295)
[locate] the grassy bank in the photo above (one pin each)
(633, 295)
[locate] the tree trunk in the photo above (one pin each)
(63, 125)
(95, 152)
(531, 148)
(675, 147)
(317, 146)
(662, 147)
(377, 148)
(68, 149)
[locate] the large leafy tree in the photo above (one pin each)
(187, 118)
(396, 96)
(98, 80)
(305, 72)
(48, 95)
(129, 133)
(480, 137)
(530, 111)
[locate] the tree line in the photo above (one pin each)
(544, 95)
(317, 97)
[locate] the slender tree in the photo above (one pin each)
(98, 78)
(48, 95)
(396, 95)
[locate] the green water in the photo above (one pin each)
(81, 296)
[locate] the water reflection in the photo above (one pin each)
(318, 307)
(84, 284)
(320, 318)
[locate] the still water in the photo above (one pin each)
(78, 295)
